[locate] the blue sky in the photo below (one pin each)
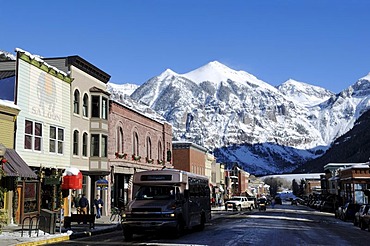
(320, 42)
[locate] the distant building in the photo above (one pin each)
(258, 187)
(189, 157)
(237, 182)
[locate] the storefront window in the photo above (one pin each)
(30, 197)
(359, 194)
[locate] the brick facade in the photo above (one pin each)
(189, 157)
(136, 143)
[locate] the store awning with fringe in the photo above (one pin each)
(15, 166)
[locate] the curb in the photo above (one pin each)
(69, 237)
(91, 233)
(45, 241)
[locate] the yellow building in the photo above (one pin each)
(8, 114)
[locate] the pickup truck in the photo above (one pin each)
(239, 203)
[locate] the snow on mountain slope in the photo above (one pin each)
(124, 89)
(304, 94)
(217, 72)
(4, 55)
(245, 120)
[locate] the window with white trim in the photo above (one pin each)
(56, 140)
(33, 135)
(75, 142)
(104, 146)
(95, 106)
(84, 144)
(95, 145)
(104, 108)
(85, 106)
(76, 102)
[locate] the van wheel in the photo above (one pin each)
(179, 229)
(239, 208)
(201, 226)
(128, 235)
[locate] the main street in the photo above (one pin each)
(283, 225)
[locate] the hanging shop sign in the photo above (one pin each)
(102, 184)
(72, 179)
(51, 180)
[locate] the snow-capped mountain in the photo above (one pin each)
(121, 93)
(304, 94)
(4, 55)
(121, 90)
(243, 119)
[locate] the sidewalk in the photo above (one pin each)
(12, 235)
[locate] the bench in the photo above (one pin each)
(79, 218)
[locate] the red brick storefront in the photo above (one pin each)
(137, 142)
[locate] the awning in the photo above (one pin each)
(16, 166)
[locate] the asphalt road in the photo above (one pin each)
(283, 225)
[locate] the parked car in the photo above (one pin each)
(349, 210)
(358, 215)
(239, 203)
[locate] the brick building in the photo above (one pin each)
(237, 181)
(189, 157)
(137, 142)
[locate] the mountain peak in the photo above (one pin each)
(304, 93)
(217, 72)
(216, 65)
(367, 77)
(167, 73)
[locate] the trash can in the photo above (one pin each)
(48, 221)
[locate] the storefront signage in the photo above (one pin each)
(102, 184)
(52, 180)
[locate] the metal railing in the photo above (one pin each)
(31, 226)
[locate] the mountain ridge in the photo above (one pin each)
(240, 116)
